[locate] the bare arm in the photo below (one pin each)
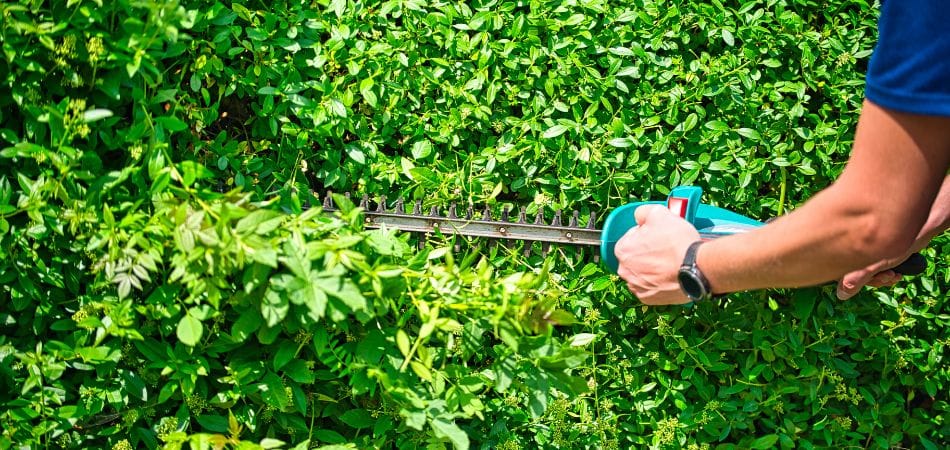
(879, 273)
(939, 219)
(875, 210)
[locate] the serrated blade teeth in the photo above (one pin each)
(516, 234)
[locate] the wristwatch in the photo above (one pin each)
(691, 279)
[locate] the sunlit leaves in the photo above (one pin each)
(189, 330)
(554, 131)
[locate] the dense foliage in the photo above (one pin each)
(163, 282)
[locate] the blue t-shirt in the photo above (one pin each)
(909, 70)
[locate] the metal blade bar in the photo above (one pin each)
(484, 228)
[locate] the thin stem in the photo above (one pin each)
(782, 190)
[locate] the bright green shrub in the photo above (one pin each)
(164, 282)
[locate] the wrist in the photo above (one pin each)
(707, 264)
(691, 279)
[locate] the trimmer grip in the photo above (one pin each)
(915, 264)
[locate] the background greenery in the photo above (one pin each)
(163, 282)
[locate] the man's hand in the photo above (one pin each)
(650, 255)
(878, 274)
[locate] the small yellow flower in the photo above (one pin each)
(95, 48)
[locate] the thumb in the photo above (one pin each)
(641, 213)
(852, 282)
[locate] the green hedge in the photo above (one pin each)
(164, 283)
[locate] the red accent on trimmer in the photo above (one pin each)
(678, 206)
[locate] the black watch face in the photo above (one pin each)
(691, 285)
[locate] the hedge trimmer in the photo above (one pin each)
(711, 222)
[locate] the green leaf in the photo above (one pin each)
(168, 390)
(189, 330)
(749, 134)
(272, 389)
(284, 354)
(621, 51)
(337, 108)
(295, 258)
(338, 7)
(582, 339)
(333, 438)
(96, 114)
(386, 243)
(343, 289)
(268, 443)
(218, 424)
(620, 142)
(804, 302)
(764, 442)
(421, 149)
(727, 37)
(629, 71)
(171, 123)
(554, 131)
(451, 431)
(357, 418)
(245, 326)
(297, 370)
(261, 221)
(690, 122)
(355, 153)
(402, 341)
(313, 297)
(421, 370)
(274, 307)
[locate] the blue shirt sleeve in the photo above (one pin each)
(909, 70)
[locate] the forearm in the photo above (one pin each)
(875, 210)
(939, 219)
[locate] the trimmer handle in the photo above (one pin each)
(915, 264)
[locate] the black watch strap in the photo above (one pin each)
(691, 270)
(690, 259)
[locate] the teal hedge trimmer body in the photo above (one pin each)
(710, 221)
